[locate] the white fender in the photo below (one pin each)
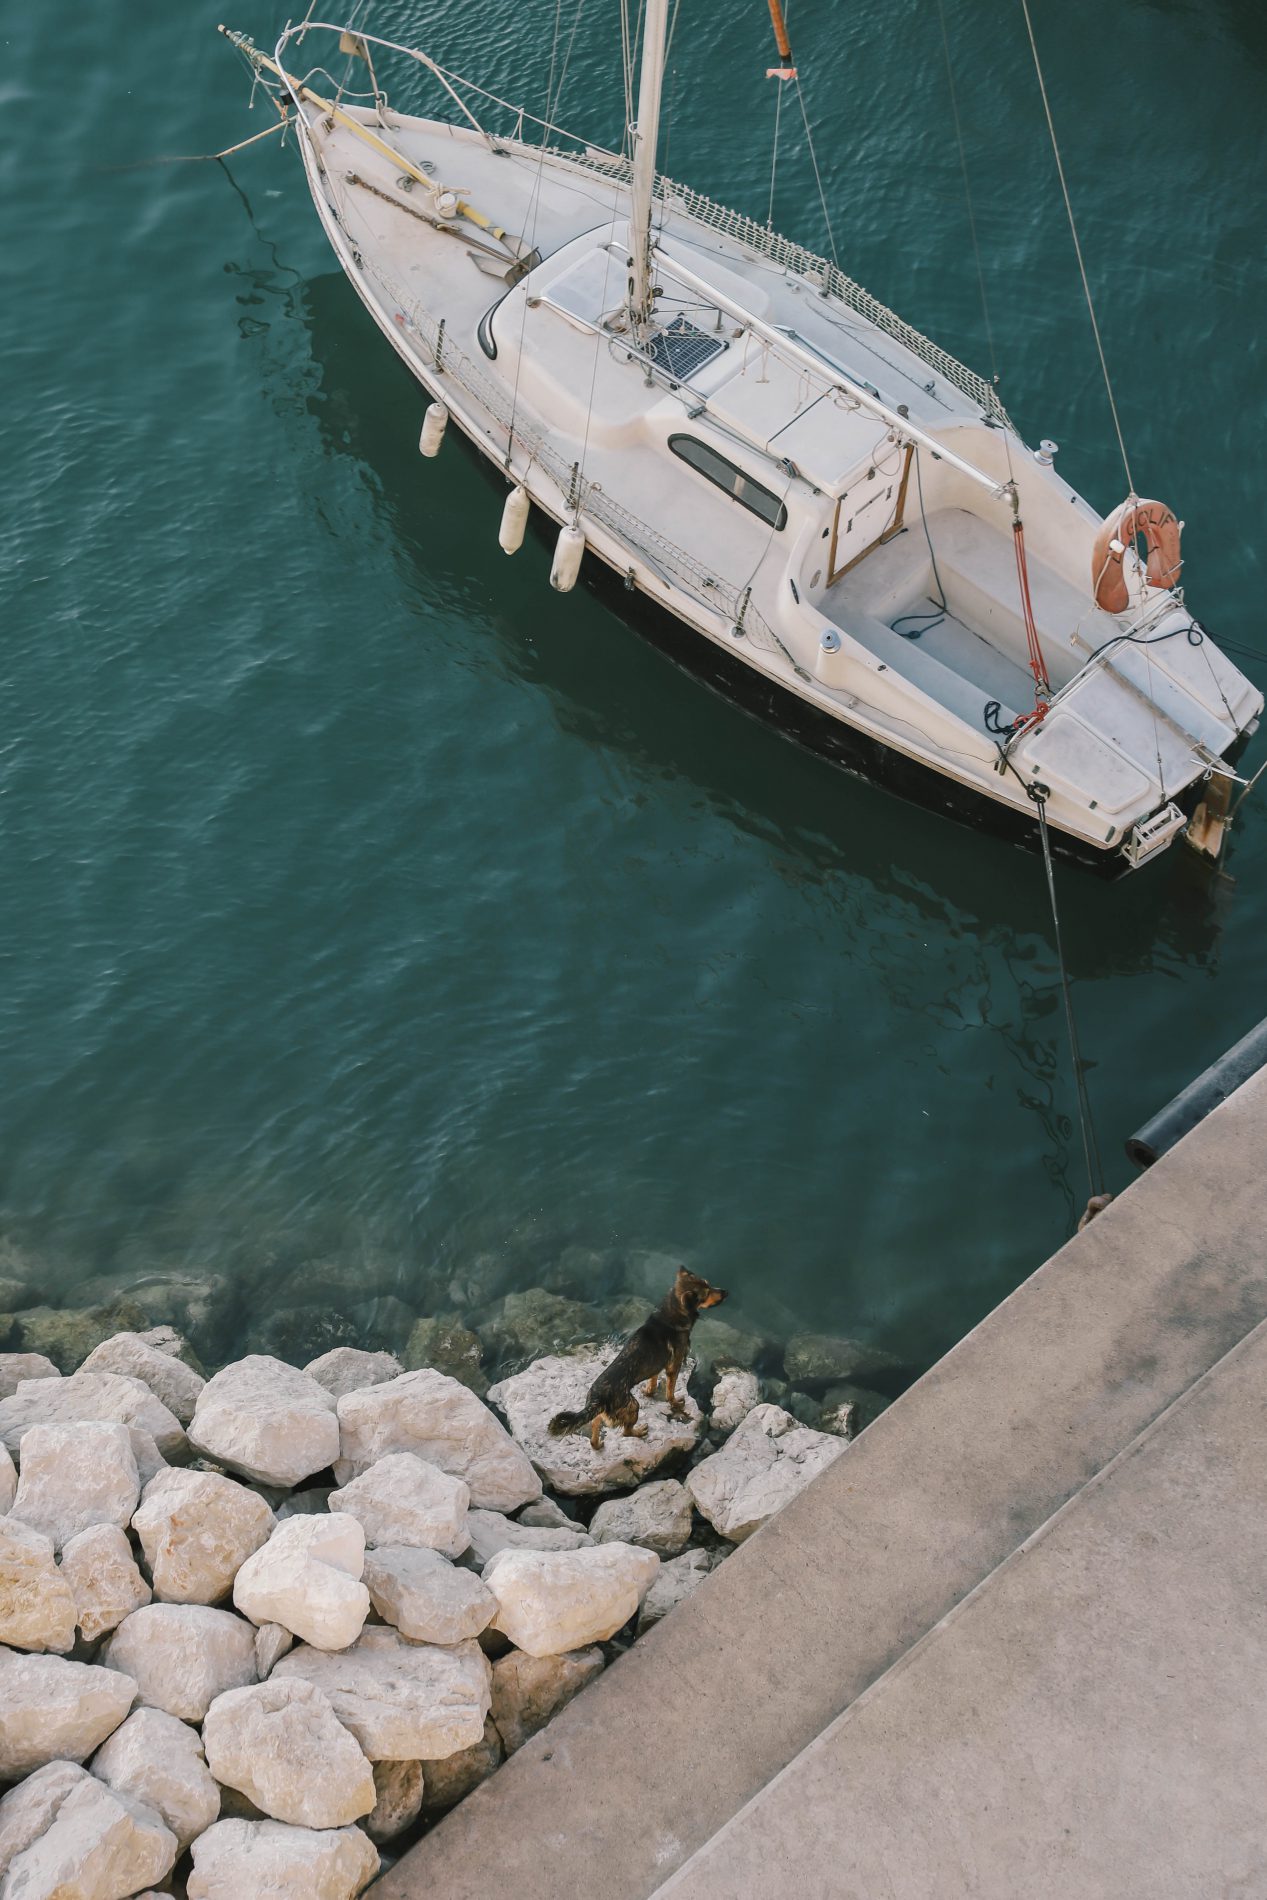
(434, 424)
(514, 521)
(566, 564)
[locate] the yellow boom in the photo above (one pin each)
(362, 132)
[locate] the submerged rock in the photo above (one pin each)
(280, 1744)
(68, 1334)
(235, 1859)
(75, 1476)
(197, 1529)
(553, 1601)
(94, 1841)
(107, 1396)
(181, 1656)
(718, 1343)
(657, 1517)
(529, 1690)
(444, 1424)
(425, 1597)
(348, 1369)
(191, 1300)
(450, 1780)
(307, 1578)
(530, 1400)
(867, 1405)
(54, 1710)
(37, 1606)
(403, 1500)
(816, 1359)
(167, 1377)
(447, 1346)
(101, 1571)
(298, 1333)
(267, 1420)
(762, 1465)
(160, 1761)
(525, 1325)
(403, 1701)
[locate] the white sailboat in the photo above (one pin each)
(811, 505)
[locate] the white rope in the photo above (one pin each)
(1086, 287)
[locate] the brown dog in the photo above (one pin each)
(660, 1345)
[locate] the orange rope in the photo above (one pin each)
(1037, 664)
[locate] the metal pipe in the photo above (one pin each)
(1193, 1104)
(646, 139)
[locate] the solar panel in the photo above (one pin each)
(681, 350)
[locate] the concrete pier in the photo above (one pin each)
(1014, 1641)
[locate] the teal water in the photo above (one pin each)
(363, 898)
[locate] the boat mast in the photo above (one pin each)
(646, 139)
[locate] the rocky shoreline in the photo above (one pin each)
(259, 1630)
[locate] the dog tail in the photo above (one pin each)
(569, 1421)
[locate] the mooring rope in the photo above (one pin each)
(1090, 1146)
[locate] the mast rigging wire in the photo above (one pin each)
(1073, 229)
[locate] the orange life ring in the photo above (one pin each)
(1160, 528)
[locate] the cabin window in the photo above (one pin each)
(724, 475)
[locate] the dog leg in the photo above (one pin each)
(675, 1404)
(652, 1386)
(629, 1419)
(596, 1433)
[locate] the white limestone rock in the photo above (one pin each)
(450, 1780)
(271, 1641)
(763, 1464)
(398, 1788)
(197, 1529)
(37, 1607)
(17, 1366)
(267, 1420)
(403, 1501)
(529, 1690)
(96, 1844)
(107, 1396)
(160, 1761)
(74, 1476)
(674, 1582)
(8, 1480)
(348, 1369)
(282, 1746)
(439, 1420)
(307, 1578)
(149, 1459)
(545, 1515)
(490, 1532)
(104, 1580)
(568, 1465)
(54, 1710)
(423, 1596)
(267, 1860)
(658, 1518)
(735, 1394)
(167, 1377)
(181, 1656)
(28, 1810)
(552, 1601)
(403, 1701)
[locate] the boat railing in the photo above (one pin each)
(587, 498)
(818, 271)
